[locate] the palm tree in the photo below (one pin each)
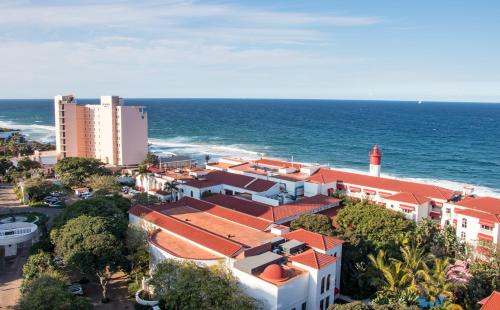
(394, 277)
(143, 172)
(414, 266)
(172, 188)
(436, 289)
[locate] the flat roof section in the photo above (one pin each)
(233, 231)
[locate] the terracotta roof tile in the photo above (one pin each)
(409, 198)
(228, 214)
(243, 205)
(328, 175)
(491, 302)
(274, 214)
(233, 179)
(313, 259)
(313, 239)
(199, 236)
(479, 214)
(485, 204)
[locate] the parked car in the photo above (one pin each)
(87, 196)
(56, 204)
(76, 289)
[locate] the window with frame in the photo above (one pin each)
(328, 283)
(464, 223)
(485, 227)
(322, 285)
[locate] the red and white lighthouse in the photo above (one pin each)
(375, 159)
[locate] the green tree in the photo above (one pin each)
(151, 159)
(111, 208)
(49, 292)
(383, 228)
(5, 165)
(26, 164)
(75, 171)
(360, 306)
(87, 244)
(485, 278)
(136, 244)
(37, 188)
(319, 223)
(103, 184)
(145, 199)
(436, 287)
(36, 265)
(185, 285)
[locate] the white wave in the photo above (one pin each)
(183, 145)
(42, 133)
(456, 186)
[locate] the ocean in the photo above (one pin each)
(447, 144)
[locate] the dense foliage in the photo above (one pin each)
(112, 208)
(48, 292)
(88, 244)
(36, 189)
(360, 306)
(103, 185)
(319, 223)
(151, 159)
(185, 285)
(75, 171)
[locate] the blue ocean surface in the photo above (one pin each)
(447, 144)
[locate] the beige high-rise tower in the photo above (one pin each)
(111, 132)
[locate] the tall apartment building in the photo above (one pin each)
(111, 132)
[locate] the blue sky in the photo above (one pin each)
(399, 49)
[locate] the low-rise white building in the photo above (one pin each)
(283, 269)
(477, 220)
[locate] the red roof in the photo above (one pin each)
(313, 239)
(278, 163)
(200, 236)
(328, 176)
(154, 170)
(237, 180)
(260, 185)
(486, 204)
(491, 302)
(304, 205)
(274, 214)
(228, 214)
(243, 205)
(274, 272)
(313, 259)
(409, 198)
(479, 214)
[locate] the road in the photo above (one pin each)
(11, 274)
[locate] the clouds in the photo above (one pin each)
(202, 49)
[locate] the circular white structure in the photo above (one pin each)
(15, 233)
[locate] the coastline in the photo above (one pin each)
(183, 145)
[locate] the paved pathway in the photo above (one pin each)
(11, 273)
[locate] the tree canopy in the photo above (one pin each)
(87, 244)
(113, 209)
(103, 184)
(49, 292)
(314, 222)
(75, 171)
(37, 188)
(152, 159)
(185, 285)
